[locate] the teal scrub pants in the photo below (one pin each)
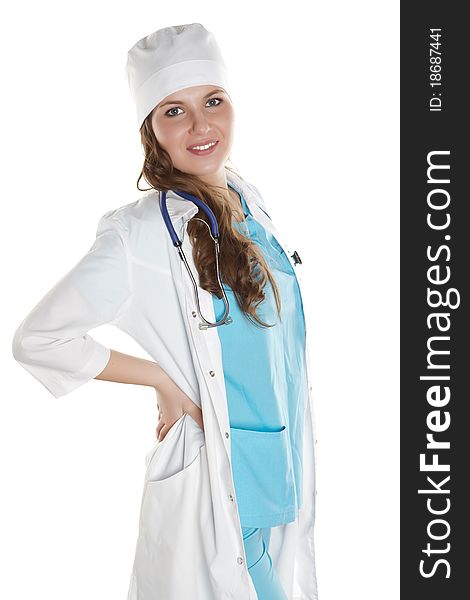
(260, 565)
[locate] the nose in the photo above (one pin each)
(199, 123)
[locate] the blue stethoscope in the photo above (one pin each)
(214, 232)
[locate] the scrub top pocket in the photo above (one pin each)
(262, 474)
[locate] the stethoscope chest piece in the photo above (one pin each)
(227, 321)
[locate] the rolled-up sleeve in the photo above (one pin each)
(52, 342)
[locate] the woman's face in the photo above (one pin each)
(196, 116)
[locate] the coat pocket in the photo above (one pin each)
(176, 452)
(175, 538)
(263, 474)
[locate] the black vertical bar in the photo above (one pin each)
(434, 261)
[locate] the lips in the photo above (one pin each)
(204, 152)
(202, 143)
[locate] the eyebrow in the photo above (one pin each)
(218, 90)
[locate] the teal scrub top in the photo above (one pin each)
(265, 378)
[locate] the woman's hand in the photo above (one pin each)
(172, 403)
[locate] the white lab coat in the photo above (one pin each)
(189, 541)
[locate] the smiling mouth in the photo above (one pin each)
(203, 148)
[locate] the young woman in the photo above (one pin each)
(229, 495)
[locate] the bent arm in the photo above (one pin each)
(52, 342)
(124, 368)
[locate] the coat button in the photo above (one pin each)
(231, 497)
(240, 560)
(226, 434)
(194, 313)
(211, 373)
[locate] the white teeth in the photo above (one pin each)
(203, 147)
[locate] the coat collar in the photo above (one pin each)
(179, 208)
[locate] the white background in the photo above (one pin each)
(317, 131)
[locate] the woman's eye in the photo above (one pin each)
(169, 110)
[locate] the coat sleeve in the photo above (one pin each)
(52, 342)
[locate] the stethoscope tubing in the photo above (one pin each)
(214, 229)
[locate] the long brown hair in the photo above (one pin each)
(241, 263)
